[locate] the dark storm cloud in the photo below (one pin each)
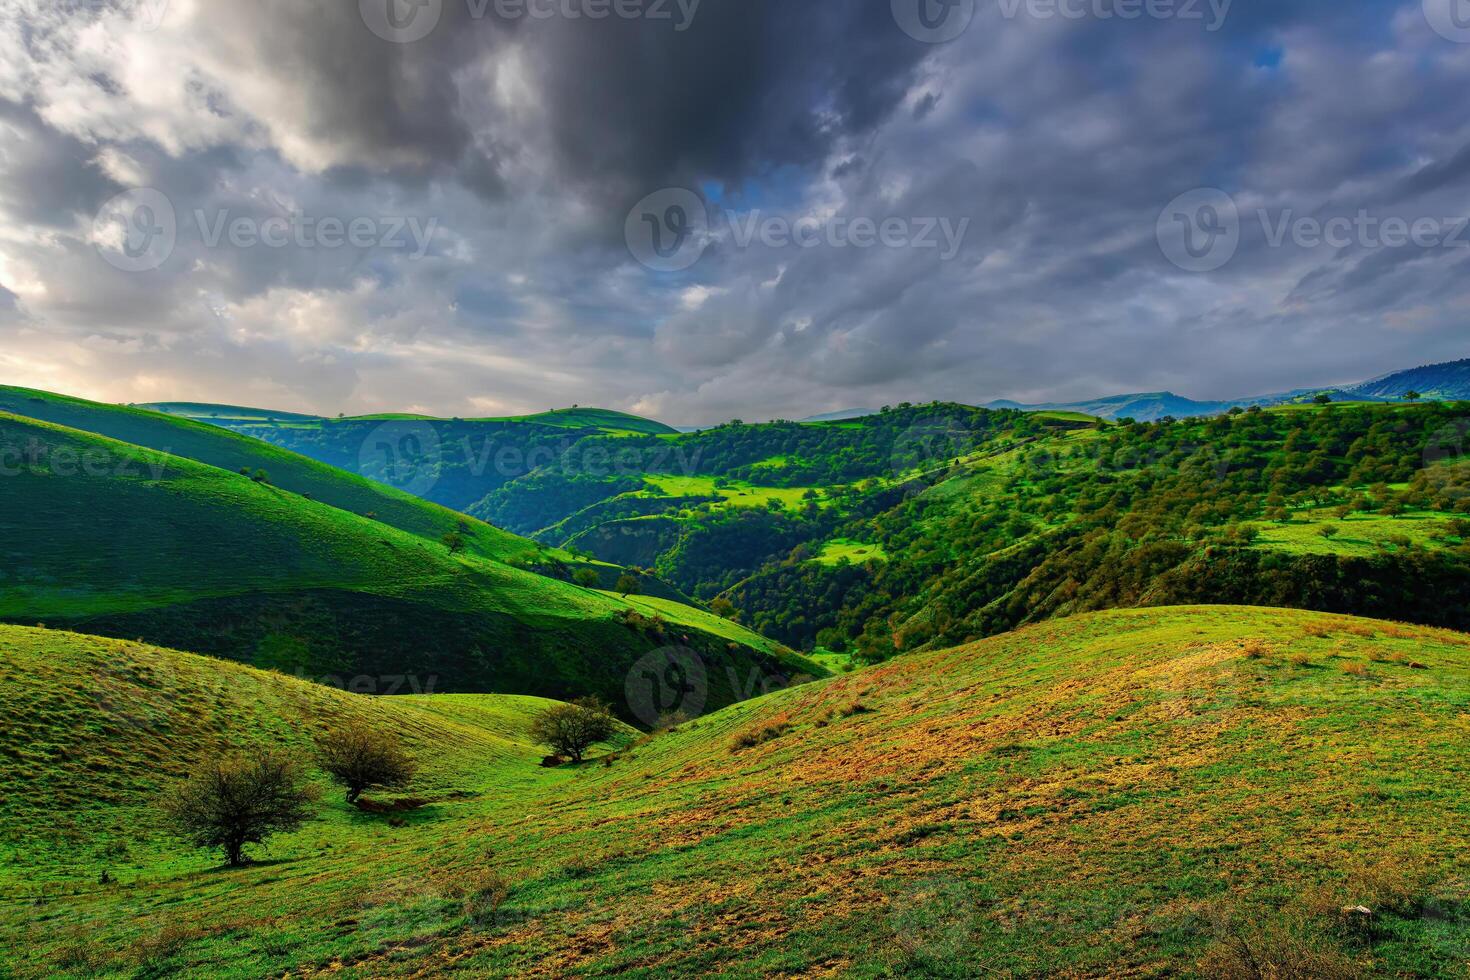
(47, 178)
(1056, 141)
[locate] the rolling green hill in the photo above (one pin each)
(453, 462)
(205, 412)
(289, 471)
(109, 538)
(1172, 792)
(1442, 381)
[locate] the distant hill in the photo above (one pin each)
(842, 416)
(453, 462)
(1155, 405)
(109, 538)
(217, 446)
(1445, 382)
(238, 413)
(1442, 382)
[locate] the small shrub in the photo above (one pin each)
(1301, 660)
(1256, 649)
(761, 734)
(80, 952)
(1400, 887)
(579, 867)
(164, 944)
(229, 803)
(1356, 669)
(670, 721)
(1280, 946)
(358, 757)
(484, 894)
(571, 729)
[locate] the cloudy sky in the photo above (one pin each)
(700, 210)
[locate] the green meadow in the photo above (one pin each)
(1160, 792)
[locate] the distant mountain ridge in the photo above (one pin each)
(1442, 382)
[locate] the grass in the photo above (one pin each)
(594, 418)
(736, 494)
(857, 552)
(190, 555)
(1357, 534)
(604, 420)
(205, 412)
(1124, 793)
(289, 471)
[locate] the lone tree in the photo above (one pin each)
(228, 803)
(359, 757)
(587, 578)
(571, 729)
(1413, 396)
(455, 541)
(628, 584)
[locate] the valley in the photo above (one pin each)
(899, 695)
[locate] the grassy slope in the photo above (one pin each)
(567, 418)
(224, 449)
(1094, 796)
(234, 413)
(191, 555)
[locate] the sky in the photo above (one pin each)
(705, 209)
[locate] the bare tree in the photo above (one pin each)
(359, 757)
(571, 729)
(228, 803)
